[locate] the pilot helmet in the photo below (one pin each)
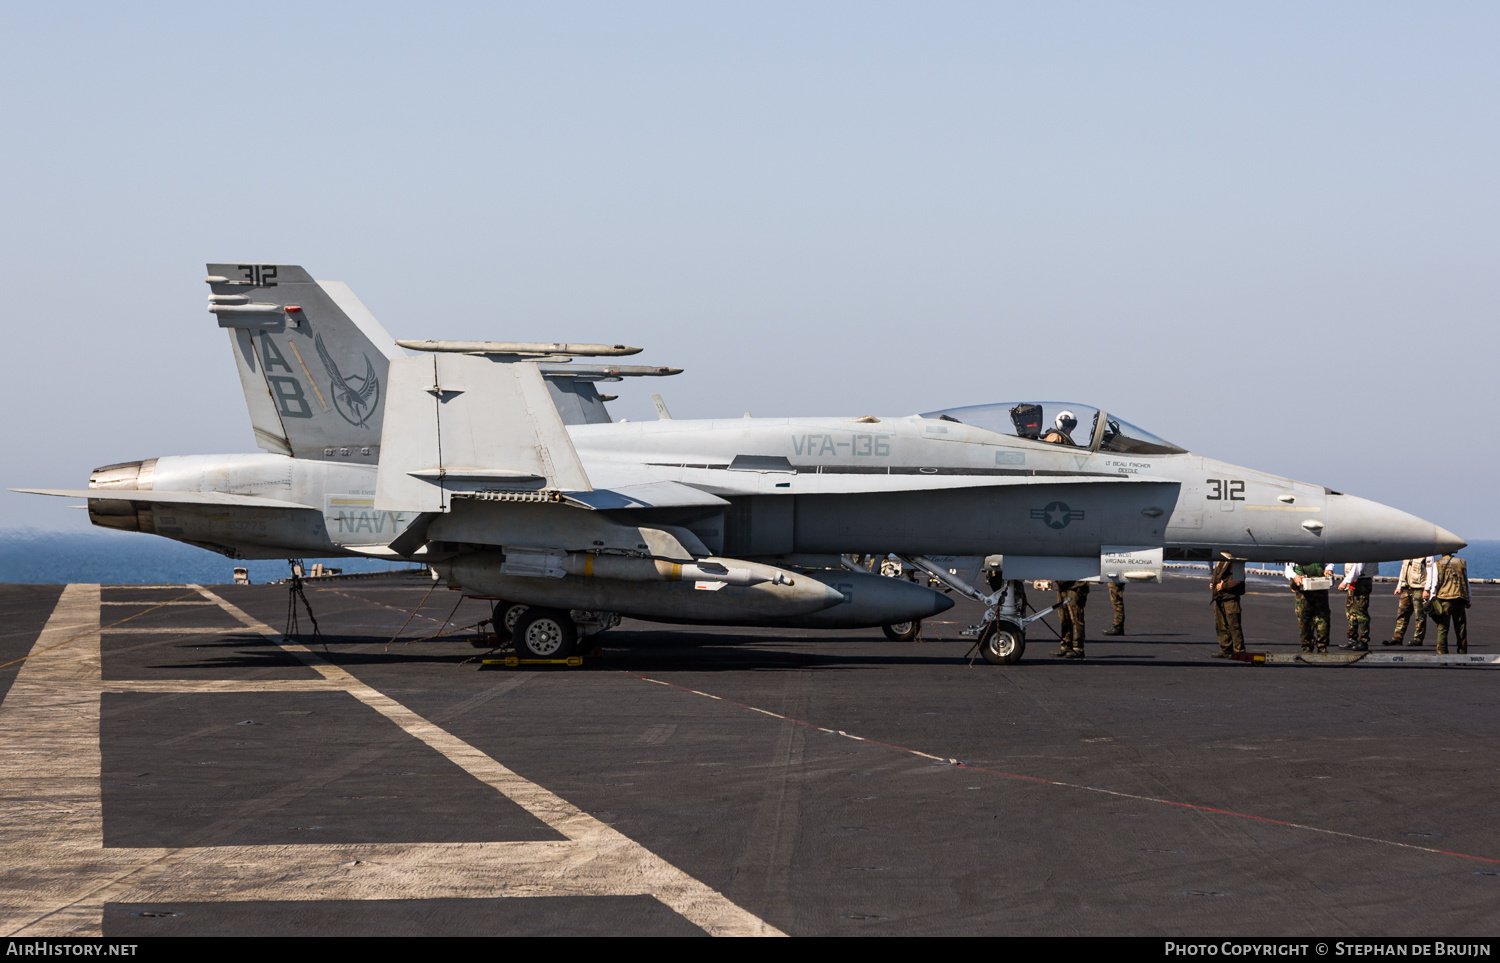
(1066, 421)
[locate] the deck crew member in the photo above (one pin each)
(1227, 584)
(1448, 593)
(1412, 605)
(1071, 598)
(1117, 602)
(1357, 584)
(1312, 606)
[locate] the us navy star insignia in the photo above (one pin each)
(1057, 515)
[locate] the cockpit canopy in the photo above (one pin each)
(1038, 420)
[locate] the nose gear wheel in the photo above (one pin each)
(1002, 642)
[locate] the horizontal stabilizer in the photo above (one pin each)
(167, 497)
(553, 528)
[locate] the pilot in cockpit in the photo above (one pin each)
(1061, 432)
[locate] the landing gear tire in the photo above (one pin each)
(902, 631)
(1002, 642)
(544, 634)
(506, 614)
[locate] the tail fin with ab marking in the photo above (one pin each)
(313, 361)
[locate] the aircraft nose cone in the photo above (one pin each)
(1446, 541)
(1367, 531)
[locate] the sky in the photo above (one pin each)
(1264, 231)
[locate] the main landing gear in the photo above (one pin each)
(542, 633)
(506, 614)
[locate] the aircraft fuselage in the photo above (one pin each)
(838, 485)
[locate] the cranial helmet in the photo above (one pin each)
(1066, 421)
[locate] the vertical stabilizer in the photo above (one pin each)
(312, 359)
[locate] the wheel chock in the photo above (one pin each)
(514, 662)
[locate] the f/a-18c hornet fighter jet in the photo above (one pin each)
(497, 464)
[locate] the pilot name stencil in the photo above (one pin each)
(1126, 467)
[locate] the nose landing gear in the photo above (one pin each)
(1002, 634)
(1002, 642)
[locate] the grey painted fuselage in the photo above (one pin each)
(838, 485)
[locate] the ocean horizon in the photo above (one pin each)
(129, 558)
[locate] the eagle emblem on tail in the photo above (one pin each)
(355, 396)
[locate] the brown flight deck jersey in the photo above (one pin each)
(1224, 576)
(1452, 579)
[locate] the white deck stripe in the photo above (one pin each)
(56, 875)
(624, 866)
(51, 820)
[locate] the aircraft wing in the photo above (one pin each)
(661, 494)
(168, 497)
